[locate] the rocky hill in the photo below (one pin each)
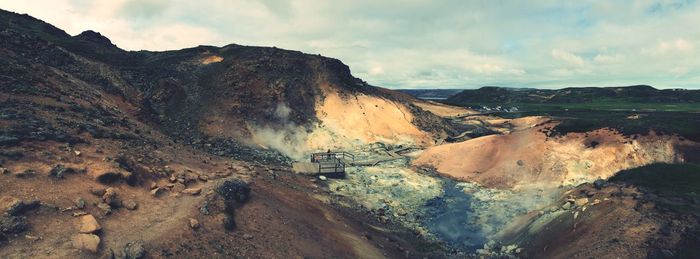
(489, 95)
(167, 143)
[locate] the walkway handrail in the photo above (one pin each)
(321, 156)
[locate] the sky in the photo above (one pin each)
(421, 44)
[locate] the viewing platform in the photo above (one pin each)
(328, 164)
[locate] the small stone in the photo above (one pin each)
(194, 224)
(131, 205)
(97, 191)
(88, 224)
(79, 213)
(110, 196)
(192, 191)
(179, 187)
(32, 238)
(322, 178)
(581, 201)
(134, 250)
(520, 163)
(80, 203)
(157, 192)
(154, 185)
(87, 242)
(247, 236)
(77, 152)
(4, 170)
(566, 206)
(203, 178)
(599, 184)
(105, 208)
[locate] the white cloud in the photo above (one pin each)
(567, 57)
(400, 44)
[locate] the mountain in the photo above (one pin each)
(489, 95)
(145, 149)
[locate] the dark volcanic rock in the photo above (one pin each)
(13, 224)
(234, 190)
(59, 170)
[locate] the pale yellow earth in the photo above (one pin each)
(211, 59)
(443, 110)
(363, 119)
(525, 157)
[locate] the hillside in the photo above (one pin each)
(123, 153)
(490, 95)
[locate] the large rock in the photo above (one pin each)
(234, 190)
(86, 242)
(88, 224)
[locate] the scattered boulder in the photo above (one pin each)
(4, 170)
(520, 163)
(131, 205)
(106, 209)
(157, 192)
(322, 178)
(236, 190)
(59, 170)
(247, 236)
(134, 250)
(192, 191)
(581, 201)
(194, 224)
(26, 174)
(599, 184)
(10, 205)
(97, 191)
(13, 224)
(110, 197)
(88, 224)
(86, 242)
(566, 206)
(80, 203)
(32, 238)
(108, 177)
(13, 206)
(178, 187)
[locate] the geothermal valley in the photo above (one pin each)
(256, 152)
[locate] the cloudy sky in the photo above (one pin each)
(422, 44)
